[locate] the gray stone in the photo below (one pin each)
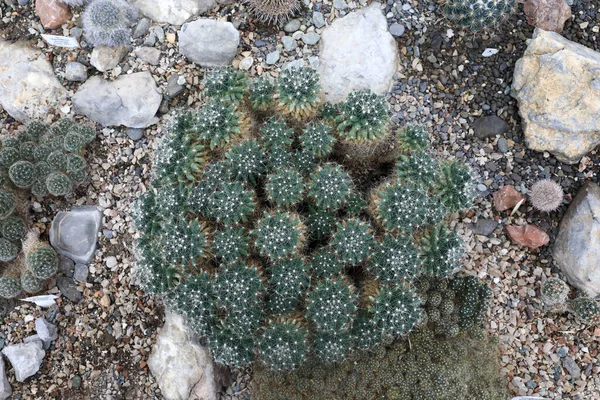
(289, 43)
(294, 64)
(246, 63)
(66, 265)
(208, 42)
(173, 86)
(397, 30)
(577, 247)
(150, 40)
(159, 33)
(484, 227)
(489, 126)
(572, 367)
(135, 133)
(76, 72)
(183, 369)
(557, 85)
(5, 388)
(314, 62)
(318, 19)
(340, 4)
(76, 32)
(273, 57)
(360, 35)
(106, 58)
(503, 145)
(28, 88)
(131, 100)
(174, 12)
(25, 358)
(141, 29)
(73, 234)
(68, 288)
(311, 38)
(45, 330)
(81, 273)
(150, 55)
(292, 26)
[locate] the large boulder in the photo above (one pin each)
(208, 42)
(357, 52)
(28, 88)
(557, 84)
(183, 369)
(174, 12)
(130, 100)
(577, 246)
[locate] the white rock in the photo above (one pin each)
(76, 72)
(43, 301)
(25, 358)
(106, 58)
(246, 63)
(183, 369)
(357, 52)
(557, 84)
(28, 88)
(130, 100)
(208, 42)
(174, 12)
(5, 388)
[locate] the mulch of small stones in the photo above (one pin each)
(443, 82)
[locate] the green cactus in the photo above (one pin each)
(326, 263)
(441, 251)
(9, 287)
(413, 138)
(183, 242)
(554, 292)
(331, 304)
(7, 203)
(284, 345)
(395, 310)
(22, 174)
(261, 94)
(285, 187)
(332, 346)
(58, 184)
(279, 234)
(353, 241)
(276, 134)
(13, 228)
(30, 283)
(230, 243)
(298, 90)
(237, 286)
(218, 123)
(320, 222)
(364, 116)
(8, 250)
(329, 186)
(586, 310)
(226, 84)
(194, 298)
(395, 260)
(231, 203)
(246, 161)
(178, 159)
(419, 169)
(478, 15)
(317, 139)
(9, 156)
(230, 349)
(289, 278)
(456, 187)
(42, 262)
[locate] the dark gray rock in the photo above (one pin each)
(81, 273)
(76, 72)
(68, 288)
(141, 29)
(489, 126)
(503, 145)
(577, 246)
(66, 265)
(135, 133)
(73, 234)
(572, 367)
(484, 227)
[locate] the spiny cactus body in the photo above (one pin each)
(107, 22)
(546, 195)
(478, 15)
(273, 11)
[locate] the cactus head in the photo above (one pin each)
(331, 304)
(273, 11)
(107, 22)
(8, 250)
(317, 139)
(279, 234)
(363, 116)
(395, 260)
(283, 345)
(441, 251)
(478, 15)
(30, 283)
(554, 292)
(353, 241)
(413, 138)
(7, 203)
(285, 187)
(58, 184)
(298, 90)
(9, 287)
(42, 262)
(329, 186)
(456, 186)
(230, 243)
(546, 195)
(13, 228)
(226, 84)
(586, 310)
(22, 174)
(246, 161)
(261, 94)
(395, 310)
(231, 203)
(237, 286)
(289, 278)
(218, 123)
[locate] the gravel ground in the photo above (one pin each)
(443, 82)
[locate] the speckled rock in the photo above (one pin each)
(28, 88)
(174, 12)
(183, 369)
(360, 35)
(577, 245)
(209, 43)
(557, 84)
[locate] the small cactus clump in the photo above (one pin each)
(546, 195)
(478, 15)
(273, 11)
(257, 232)
(363, 116)
(108, 22)
(9, 287)
(586, 310)
(42, 262)
(554, 292)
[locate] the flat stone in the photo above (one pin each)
(507, 197)
(484, 227)
(528, 235)
(289, 43)
(182, 368)
(75, 72)
(28, 88)
(209, 43)
(105, 58)
(318, 19)
(141, 29)
(311, 38)
(25, 358)
(150, 55)
(81, 273)
(340, 5)
(572, 367)
(489, 126)
(292, 26)
(557, 85)
(246, 63)
(397, 29)
(52, 13)
(174, 12)
(360, 35)
(73, 234)
(173, 86)
(68, 288)
(135, 133)
(131, 100)
(5, 388)
(577, 247)
(549, 15)
(272, 57)
(502, 145)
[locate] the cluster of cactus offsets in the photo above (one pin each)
(586, 310)
(452, 305)
(259, 235)
(422, 367)
(478, 15)
(273, 11)
(108, 22)
(554, 292)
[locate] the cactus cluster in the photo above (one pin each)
(478, 15)
(421, 367)
(108, 22)
(256, 217)
(273, 11)
(554, 292)
(586, 310)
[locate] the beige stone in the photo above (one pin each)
(557, 84)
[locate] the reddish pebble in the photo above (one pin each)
(528, 235)
(52, 13)
(507, 197)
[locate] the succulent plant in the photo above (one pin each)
(22, 174)
(332, 346)
(107, 22)
(317, 139)
(58, 184)
(546, 195)
(237, 286)
(326, 263)
(289, 278)
(353, 241)
(30, 283)
(279, 234)
(194, 298)
(246, 161)
(230, 349)
(285, 187)
(331, 304)
(363, 116)
(283, 345)
(230, 243)
(231, 203)
(586, 310)
(273, 11)
(395, 310)
(320, 222)
(261, 94)
(441, 251)
(42, 262)
(8, 250)
(395, 260)
(276, 134)
(478, 15)
(419, 169)
(218, 123)
(329, 186)
(298, 90)
(7, 203)
(13, 228)
(178, 159)
(413, 138)
(554, 292)
(9, 287)
(182, 241)
(226, 84)
(456, 186)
